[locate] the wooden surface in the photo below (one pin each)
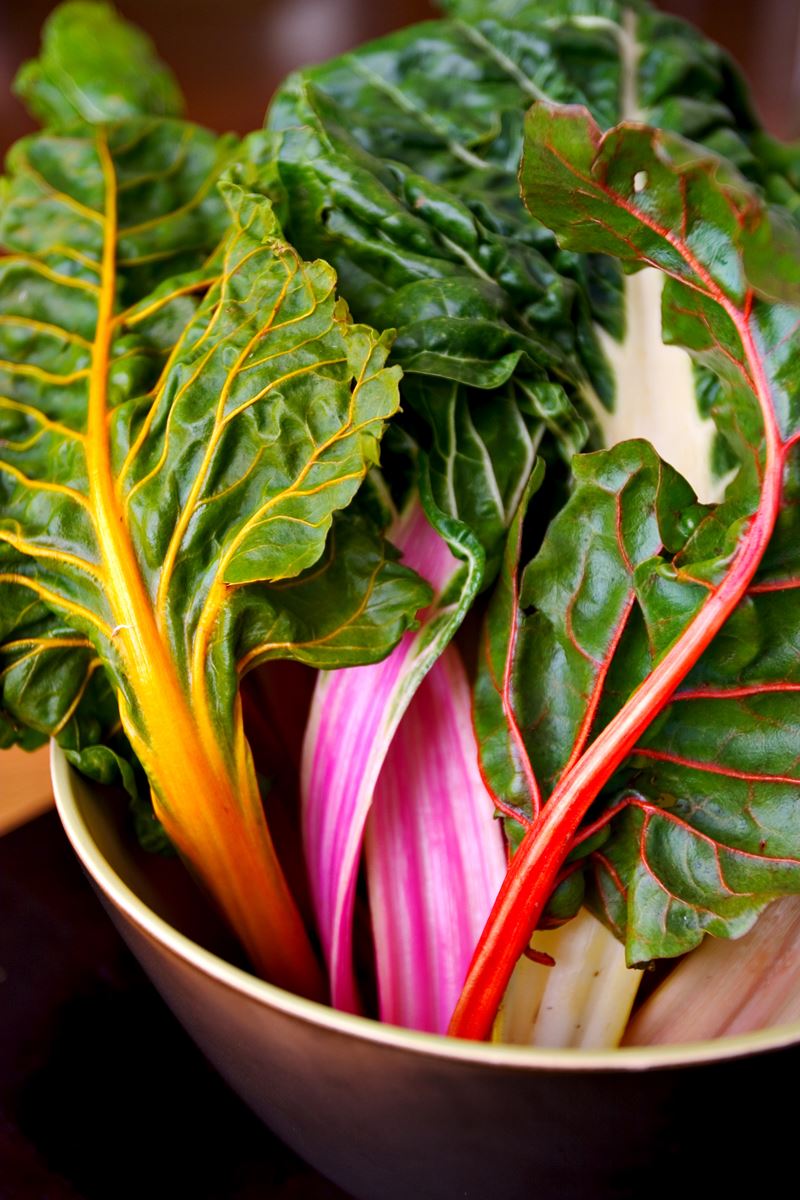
(24, 787)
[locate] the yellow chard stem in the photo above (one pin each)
(210, 808)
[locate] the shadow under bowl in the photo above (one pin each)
(388, 1113)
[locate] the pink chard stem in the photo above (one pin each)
(435, 853)
(355, 714)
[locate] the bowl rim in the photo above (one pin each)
(493, 1055)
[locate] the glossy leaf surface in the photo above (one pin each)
(447, 99)
(485, 324)
(165, 457)
(481, 453)
(469, 305)
(665, 71)
(49, 294)
(711, 834)
(95, 67)
(427, 231)
(645, 590)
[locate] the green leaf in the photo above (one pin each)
(448, 212)
(468, 305)
(95, 67)
(552, 636)
(709, 834)
(48, 312)
(636, 591)
(627, 507)
(447, 100)
(423, 224)
(505, 759)
(168, 221)
(169, 461)
(481, 452)
(349, 608)
(661, 70)
(485, 325)
(243, 490)
(49, 677)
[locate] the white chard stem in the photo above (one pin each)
(583, 1001)
(727, 987)
(656, 396)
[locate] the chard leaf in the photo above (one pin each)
(95, 67)
(481, 453)
(48, 316)
(640, 598)
(467, 304)
(658, 68)
(447, 99)
(49, 677)
(53, 228)
(710, 834)
(422, 223)
(167, 460)
(485, 325)
(347, 609)
(627, 507)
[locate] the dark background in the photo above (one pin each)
(102, 1097)
(229, 55)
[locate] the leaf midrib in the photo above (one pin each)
(170, 728)
(535, 866)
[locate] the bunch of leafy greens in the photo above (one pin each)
(188, 414)
(398, 162)
(664, 697)
(186, 411)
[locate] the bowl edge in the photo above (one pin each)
(627, 1058)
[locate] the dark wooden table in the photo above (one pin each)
(102, 1095)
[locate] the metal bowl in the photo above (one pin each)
(390, 1114)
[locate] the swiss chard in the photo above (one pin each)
(428, 234)
(185, 407)
(470, 303)
(95, 67)
(485, 331)
(187, 413)
(354, 717)
(641, 589)
(434, 853)
(447, 100)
